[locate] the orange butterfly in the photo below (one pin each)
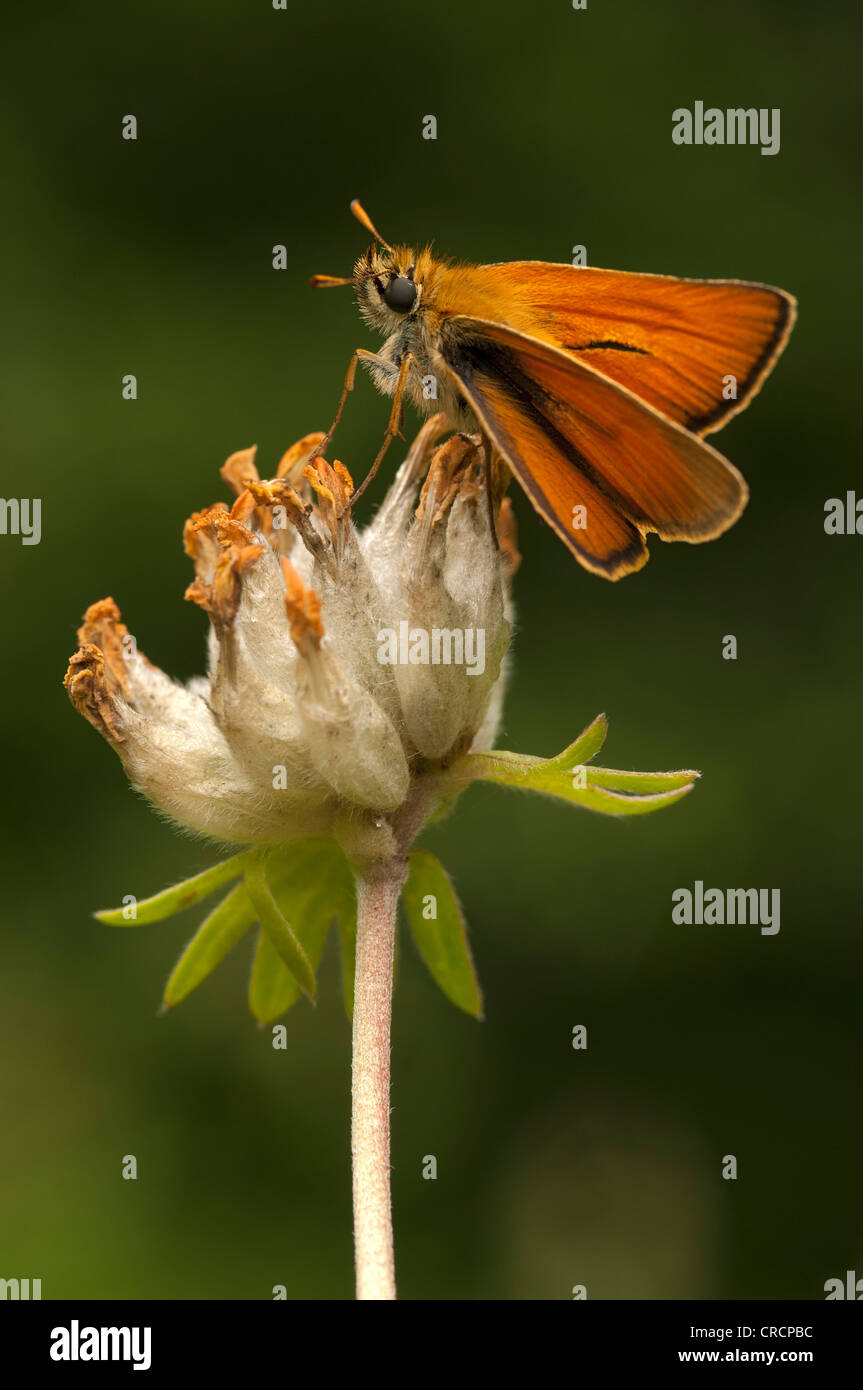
(594, 386)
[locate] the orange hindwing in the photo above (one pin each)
(599, 464)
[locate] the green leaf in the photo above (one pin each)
(612, 803)
(216, 936)
(176, 899)
(597, 788)
(311, 884)
(272, 988)
(640, 781)
(598, 794)
(348, 940)
(282, 936)
(586, 746)
(442, 939)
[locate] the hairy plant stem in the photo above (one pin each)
(377, 903)
(379, 886)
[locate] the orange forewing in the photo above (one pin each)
(673, 342)
(574, 438)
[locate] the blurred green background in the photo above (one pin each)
(556, 1167)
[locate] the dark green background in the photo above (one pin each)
(555, 1167)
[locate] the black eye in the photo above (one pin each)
(400, 294)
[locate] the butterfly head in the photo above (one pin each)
(387, 280)
(387, 286)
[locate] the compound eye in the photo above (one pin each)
(400, 295)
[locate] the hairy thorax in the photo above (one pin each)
(430, 386)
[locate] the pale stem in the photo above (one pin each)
(377, 902)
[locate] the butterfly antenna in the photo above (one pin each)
(361, 215)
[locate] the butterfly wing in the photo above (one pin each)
(696, 350)
(600, 465)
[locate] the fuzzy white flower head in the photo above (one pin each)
(347, 669)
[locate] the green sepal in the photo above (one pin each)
(348, 942)
(295, 892)
(311, 883)
(216, 936)
(176, 899)
(441, 940)
(282, 936)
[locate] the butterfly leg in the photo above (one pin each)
(408, 361)
(485, 455)
(366, 356)
(496, 475)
